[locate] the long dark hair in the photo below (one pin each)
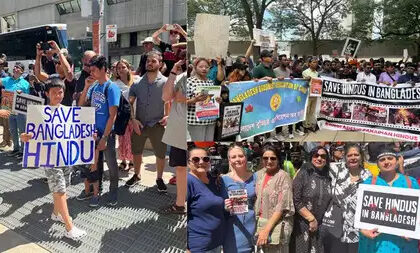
(274, 150)
(315, 151)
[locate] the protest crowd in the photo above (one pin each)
(131, 105)
(271, 67)
(291, 197)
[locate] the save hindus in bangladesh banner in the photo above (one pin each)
(371, 108)
(268, 105)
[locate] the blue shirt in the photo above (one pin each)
(205, 215)
(240, 228)
(96, 94)
(386, 243)
(11, 84)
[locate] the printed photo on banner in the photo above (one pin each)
(22, 101)
(239, 201)
(209, 108)
(391, 210)
(370, 108)
(207, 42)
(269, 105)
(231, 115)
(316, 87)
(351, 47)
(61, 136)
(7, 100)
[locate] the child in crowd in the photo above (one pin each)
(58, 177)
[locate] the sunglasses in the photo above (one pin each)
(271, 158)
(196, 159)
(323, 156)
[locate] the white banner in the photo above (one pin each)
(391, 210)
(111, 33)
(211, 35)
(62, 136)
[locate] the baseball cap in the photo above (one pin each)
(20, 65)
(265, 53)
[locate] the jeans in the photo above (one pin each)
(111, 161)
(17, 125)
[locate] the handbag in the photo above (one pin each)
(332, 222)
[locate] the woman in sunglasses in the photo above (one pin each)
(274, 209)
(372, 240)
(206, 214)
(239, 194)
(311, 196)
(346, 177)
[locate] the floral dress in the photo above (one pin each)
(311, 189)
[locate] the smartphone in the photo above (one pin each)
(45, 46)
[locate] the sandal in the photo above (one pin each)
(172, 209)
(122, 166)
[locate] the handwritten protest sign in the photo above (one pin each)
(264, 39)
(239, 200)
(62, 136)
(209, 108)
(370, 108)
(7, 100)
(207, 42)
(269, 105)
(21, 102)
(351, 47)
(391, 210)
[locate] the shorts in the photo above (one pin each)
(58, 178)
(155, 135)
(177, 157)
(85, 172)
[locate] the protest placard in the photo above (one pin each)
(239, 200)
(7, 100)
(268, 105)
(392, 112)
(231, 115)
(351, 47)
(209, 108)
(264, 39)
(207, 42)
(21, 102)
(316, 87)
(61, 136)
(391, 210)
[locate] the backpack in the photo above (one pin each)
(123, 113)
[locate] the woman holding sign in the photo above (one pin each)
(205, 205)
(274, 209)
(372, 240)
(239, 194)
(341, 236)
(311, 196)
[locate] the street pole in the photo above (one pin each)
(97, 25)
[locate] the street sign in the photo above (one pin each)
(111, 33)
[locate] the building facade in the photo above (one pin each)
(135, 19)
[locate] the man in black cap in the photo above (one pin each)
(264, 70)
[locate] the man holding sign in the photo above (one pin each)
(57, 175)
(371, 240)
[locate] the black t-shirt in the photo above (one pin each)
(80, 83)
(169, 57)
(48, 66)
(68, 94)
(38, 90)
(142, 65)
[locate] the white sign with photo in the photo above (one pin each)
(111, 33)
(351, 47)
(239, 200)
(264, 39)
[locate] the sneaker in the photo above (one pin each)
(94, 201)
(300, 132)
(133, 181)
(58, 218)
(291, 136)
(75, 233)
(172, 209)
(161, 187)
(83, 195)
(13, 153)
(113, 198)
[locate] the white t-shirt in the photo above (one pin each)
(362, 77)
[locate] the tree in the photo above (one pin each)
(363, 12)
(314, 19)
(244, 14)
